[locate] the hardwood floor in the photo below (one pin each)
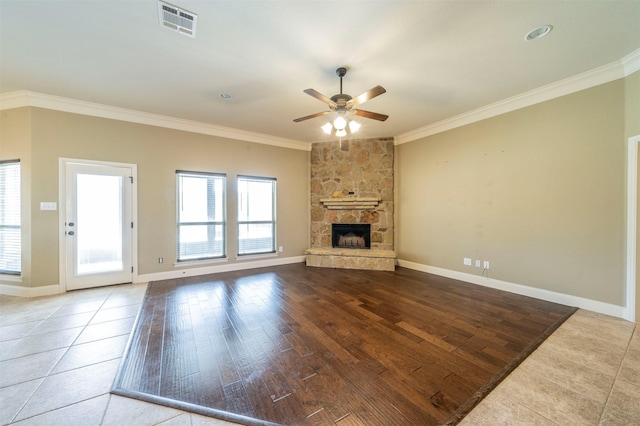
(296, 345)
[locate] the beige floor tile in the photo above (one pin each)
(623, 407)
(181, 420)
(13, 397)
(197, 420)
(499, 409)
(597, 321)
(564, 345)
(26, 368)
(78, 308)
(21, 316)
(630, 371)
(603, 328)
(635, 340)
(120, 312)
(71, 307)
(59, 390)
(550, 400)
(59, 323)
(609, 336)
(99, 293)
(85, 354)
(105, 330)
(130, 296)
(571, 375)
(41, 343)
(17, 331)
(127, 411)
(84, 413)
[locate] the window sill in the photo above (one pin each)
(11, 278)
(256, 256)
(201, 262)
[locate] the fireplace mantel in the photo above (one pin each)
(350, 203)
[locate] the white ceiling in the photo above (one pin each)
(436, 59)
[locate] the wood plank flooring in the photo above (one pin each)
(313, 346)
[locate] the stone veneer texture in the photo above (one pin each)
(361, 166)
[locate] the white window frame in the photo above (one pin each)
(10, 219)
(243, 205)
(218, 222)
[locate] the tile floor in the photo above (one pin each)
(59, 356)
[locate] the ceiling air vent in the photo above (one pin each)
(177, 19)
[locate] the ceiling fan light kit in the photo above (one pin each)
(341, 104)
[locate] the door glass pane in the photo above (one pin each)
(98, 224)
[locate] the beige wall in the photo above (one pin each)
(538, 192)
(158, 153)
(632, 104)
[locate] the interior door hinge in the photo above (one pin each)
(131, 225)
(131, 178)
(132, 269)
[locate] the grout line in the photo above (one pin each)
(615, 380)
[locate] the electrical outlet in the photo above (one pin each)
(467, 261)
(477, 263)
(486, 264)
(280, 249)
(161, 260)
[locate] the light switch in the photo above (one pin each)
(48, 205)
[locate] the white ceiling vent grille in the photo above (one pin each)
(177, 19)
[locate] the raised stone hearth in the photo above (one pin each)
(352, 183)
(376, 260)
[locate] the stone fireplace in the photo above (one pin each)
(352, 186)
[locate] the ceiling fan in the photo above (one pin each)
(343, 103)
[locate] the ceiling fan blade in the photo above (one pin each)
(317, 114)
(320, 96)
(369, 114)
(369, 94)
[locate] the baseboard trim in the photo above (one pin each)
(16, 290)
(212, 269)
(538, 293)
(550, 296)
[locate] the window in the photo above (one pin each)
(201, 216)
(10, 230)
(256, 215)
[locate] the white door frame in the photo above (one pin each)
(62, 251)
(632, 226)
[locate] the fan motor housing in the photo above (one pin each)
(341, 99)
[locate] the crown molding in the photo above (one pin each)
(601, 75)
(25, 98)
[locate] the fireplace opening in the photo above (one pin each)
(351, 235)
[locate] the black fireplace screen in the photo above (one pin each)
(351, 235)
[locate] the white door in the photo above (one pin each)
(98, 225)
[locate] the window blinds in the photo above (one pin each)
(10, 228)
